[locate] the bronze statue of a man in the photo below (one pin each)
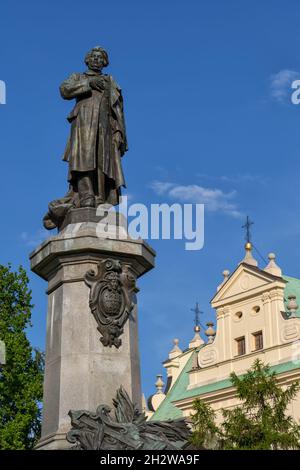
(97, 139)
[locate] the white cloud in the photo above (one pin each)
(281, 83)
(34, 239)
(215, 200)
(245, 178)
(161, 187)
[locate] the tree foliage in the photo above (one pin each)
(206, 432)
(261, 421)
(22, 376)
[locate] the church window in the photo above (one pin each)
(241, 346)
(258, 340)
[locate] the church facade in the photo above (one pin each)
(258, 317)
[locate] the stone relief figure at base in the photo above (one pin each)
(97, 140)
(127, 430)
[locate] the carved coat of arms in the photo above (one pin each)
(111, 298)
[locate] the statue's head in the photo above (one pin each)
(96, 58)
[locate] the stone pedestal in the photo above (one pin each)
(80, 372)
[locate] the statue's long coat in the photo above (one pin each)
(96, 117)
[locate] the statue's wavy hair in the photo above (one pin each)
(97, 49)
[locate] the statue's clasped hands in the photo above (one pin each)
(98, 83)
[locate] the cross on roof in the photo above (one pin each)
(247, 227)
(197, 312)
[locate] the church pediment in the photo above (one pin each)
(244, 280)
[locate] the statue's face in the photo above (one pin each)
(96, 61)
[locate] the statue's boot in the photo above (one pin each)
(88, 201)
(85, 189)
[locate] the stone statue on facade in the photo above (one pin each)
(97, 140)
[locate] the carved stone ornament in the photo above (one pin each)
(111, 299)
(127, 430)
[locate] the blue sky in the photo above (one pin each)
(208, 109)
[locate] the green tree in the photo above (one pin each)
(22, 376)
(205, 432)
(260, 422)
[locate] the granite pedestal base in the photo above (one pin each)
(81, 373)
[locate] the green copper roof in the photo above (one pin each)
(167, 410)
(292, 287)
(179, 390)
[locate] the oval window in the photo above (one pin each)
(256, 309)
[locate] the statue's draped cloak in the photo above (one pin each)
(96, 117)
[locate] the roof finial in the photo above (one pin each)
(226, 275)
(292, 306)
(210, 332)
(272, 267)
(248, 247)
(158, 397)
(176, 351)
(159, 384)
(197, 340)
(197, 312)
